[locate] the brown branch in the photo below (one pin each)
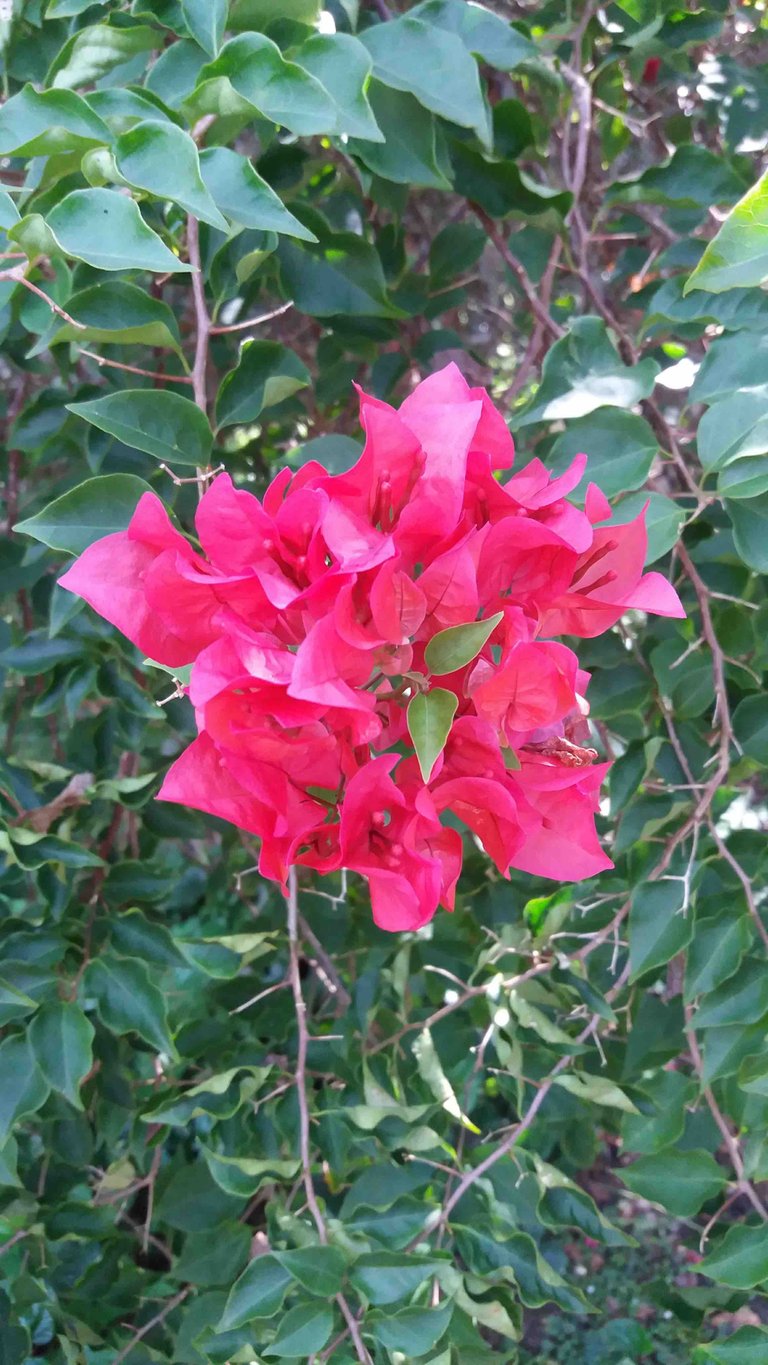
(731, 1143)
(202, 318)
(520, 273)
(16, 272)
(153, 1322)
(301, 1092)
(252, 322)
(17, 1237)
(136, 369)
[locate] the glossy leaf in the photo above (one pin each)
(737, 257)
(164, 424)
(93, 509)
(62, 1043)
(241, 194)
(157, 156)
(106, 230)
(452, 649)
(430, 716)
(266, 374)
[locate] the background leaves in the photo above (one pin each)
(534, 1131)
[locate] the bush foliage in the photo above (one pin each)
(221, 1145)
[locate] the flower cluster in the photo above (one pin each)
(374, 649)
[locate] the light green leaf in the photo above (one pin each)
(159, 157)
(433, 65)
(128, 1000)
(747, 1346)
(93, 52)
(430, 716)
(482, 32)
(219, 1097)
(266, 374)
(42, 123)
(734, 428)
(342, 65)
(91, 510)
(680, 1181)
(9, 214)
(582, 372)
(62, 1043)
(457, 646)
(163, 424)
(432, 1073)
(254, 67)
(741, 1258)
(244, 197)
(737, 257)
(244, 1176)
(106, 230)
(206, 21)
(596, 1090)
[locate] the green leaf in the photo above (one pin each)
(680, 1181)
(620, 445)
(35, 850)
(413, 149)
(582, 372)
(303, 1331)
(115, 312)
(23, 1088)
(163, 424)
(266, 374)
(106, 230)
(244, 197)
(413, 1331)
(342, 65)
(433, 65)
(750, 723)
(657, 929)
(596, 1090)
(386, 1276)
(749, 519)
(720, 942)
(734, 428)
(430, 716)
(206, 1261)
(62, 1044)
(501, 188)
(43, 123)
(9, 214)
(319, 1269)
(742, 999)
(93, 52)
(218, 1097)
(206, 21)
(258, 1293)
(91, 510)
(342, 274)
(244, 1176)
(281, 90)
(457, 646)
(518, 1257)
(159, 157)
(431, 1071)
(14, 1004)
(737, 256)
(740, 1259)
(747, 1346)
(482, 32)
(128, 1000)
(694, 177)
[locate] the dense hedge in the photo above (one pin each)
(216, 216)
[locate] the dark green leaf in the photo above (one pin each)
(680, 1181)
(267, 373)
(92, 510)
(157, 156)
(163, 424)
(62, 1044)
(258, 1293)
(303, 1331)
(740, 1259)
(244, 197)
(128, 1000)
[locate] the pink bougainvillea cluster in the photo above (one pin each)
(310, 620)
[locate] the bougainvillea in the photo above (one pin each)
(372, 652)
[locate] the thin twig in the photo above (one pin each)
(202, 319)
(301, 1091)
(16, 272)
(731, 1143)
(252, 322)
(136, 369)
(496, 235)
(153, 1322)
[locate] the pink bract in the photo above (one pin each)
(306, 621)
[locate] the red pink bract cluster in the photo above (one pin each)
(314, 621)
